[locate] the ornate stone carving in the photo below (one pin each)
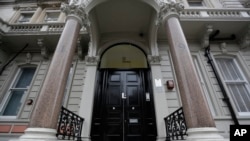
(77, 9)
(223, 48)
(245, 40)
(91, 60)
(44, 49)
(154, 59)
(247, 4)
(205, 37)
(169, 9)
(28, 58)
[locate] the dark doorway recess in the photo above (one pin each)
(123, 106)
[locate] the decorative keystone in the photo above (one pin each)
(169, 9)
(76, 9)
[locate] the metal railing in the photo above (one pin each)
(176, 126)
(69, 126)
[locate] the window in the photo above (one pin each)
(195, 3)
(14, 98)
(236, 83)
(24, 18)
(51, 16)
(68, 85)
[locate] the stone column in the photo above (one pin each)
(44, 119)
(200, 123)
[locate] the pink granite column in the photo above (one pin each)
(47, 110)
(44, 119)
(49, 103)
(196, 110)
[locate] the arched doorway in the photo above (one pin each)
(123, 104)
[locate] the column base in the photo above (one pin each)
(204, 134)
(38, 134)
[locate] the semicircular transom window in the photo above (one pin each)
(124, 56)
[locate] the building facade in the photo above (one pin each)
(124, 66)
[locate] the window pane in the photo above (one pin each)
(52, 16)
(14, 103)
(240, 96)
(25, 78)
(25, 17)
(229, 69)
(195, 3)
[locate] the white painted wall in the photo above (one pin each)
(6, 12)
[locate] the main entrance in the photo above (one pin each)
(123, 106)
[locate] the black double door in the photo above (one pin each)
(123, 109)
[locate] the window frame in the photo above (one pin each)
(4, 101)
(245, 76)
(46, 15)
(23, 13)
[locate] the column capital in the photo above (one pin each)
(77, 10)
(169, 9)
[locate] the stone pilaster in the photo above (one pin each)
(196, 110)
(44, 119)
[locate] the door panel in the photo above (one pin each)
(121, 110)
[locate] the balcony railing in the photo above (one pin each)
(33, 28)
(176, 126)
(69, 126)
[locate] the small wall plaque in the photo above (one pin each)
(158, 83)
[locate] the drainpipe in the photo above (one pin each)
(5, 65)
(211, 62)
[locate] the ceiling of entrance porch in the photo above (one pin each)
(122, 17)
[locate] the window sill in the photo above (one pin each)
(12, 119)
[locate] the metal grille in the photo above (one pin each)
(69, 126)
(176, 126)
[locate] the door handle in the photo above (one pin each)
(124, 95)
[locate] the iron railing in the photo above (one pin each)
(176, 126)
(69, 126)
